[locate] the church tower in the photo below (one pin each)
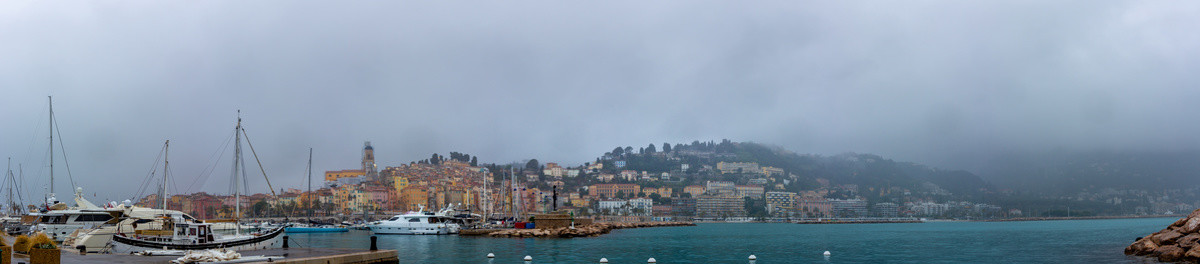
(368, 161)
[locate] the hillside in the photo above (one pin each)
(874, 175)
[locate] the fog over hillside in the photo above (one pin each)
(952, 85)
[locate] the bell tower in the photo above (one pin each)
(368, 161)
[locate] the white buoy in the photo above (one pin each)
(490, 255)
(827, 253)
(603, 260)
(528, 258)
(752, 257)
(651, 260)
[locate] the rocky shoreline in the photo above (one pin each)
(591, 230)
(1176, 243)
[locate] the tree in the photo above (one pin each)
(629, 150)
(656, 197)
(434, 159)
(651, 148)
(532, 165)
(666, 147)
(259, 208)
(474, 161)
(618, 151)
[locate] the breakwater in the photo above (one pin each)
(860, 221)
(1179, 242)
(594, 229)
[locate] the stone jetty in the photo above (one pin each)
(594, 229)
(1179, 242)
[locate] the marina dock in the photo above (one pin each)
(291, 255)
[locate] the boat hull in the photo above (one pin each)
(125, 245)
(417, 230)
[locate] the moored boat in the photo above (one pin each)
(416, 223)
(191, 235)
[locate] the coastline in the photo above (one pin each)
(1022, 219)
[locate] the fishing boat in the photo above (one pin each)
(310, 226)
(182, 233)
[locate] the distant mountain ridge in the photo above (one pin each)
(874, 175)
(866, 170)
(1064, 173)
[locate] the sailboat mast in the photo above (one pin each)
(51, 145)
(8, 180)
(166, 154)
(309, 170)
(237, 156)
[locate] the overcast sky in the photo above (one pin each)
(936, 82)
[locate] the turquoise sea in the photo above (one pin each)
(1070, 241)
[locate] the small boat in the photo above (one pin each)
(315, 229)
(416, 223)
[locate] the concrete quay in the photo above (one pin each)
(291, 255)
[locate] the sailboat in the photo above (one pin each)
(310, 227)
(11, 221)
(184, 233)
(58, 220)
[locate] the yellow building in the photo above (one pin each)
(399, 183)
(412, 197)
(331, 176)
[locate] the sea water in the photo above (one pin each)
(1069, 241)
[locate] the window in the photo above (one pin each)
(414, 220)
(394, 218)
(93, 218)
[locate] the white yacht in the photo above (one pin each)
(62, 224)
(416, 223)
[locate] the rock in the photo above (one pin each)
(1180, 222)
(1192, 254)
(1191, 226)
(1166, 238)
(1169, 253)
(1194, 214)
(1141, 247)
(1188, 241)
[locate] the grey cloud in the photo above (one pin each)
(941, 82)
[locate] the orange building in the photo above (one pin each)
(611, 190)
(331, 176)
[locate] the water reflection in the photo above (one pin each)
(1097, 241)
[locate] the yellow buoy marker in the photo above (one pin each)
(651, 260)
(528, 258)
(752, 257)
(490, 255)
(603, 260)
